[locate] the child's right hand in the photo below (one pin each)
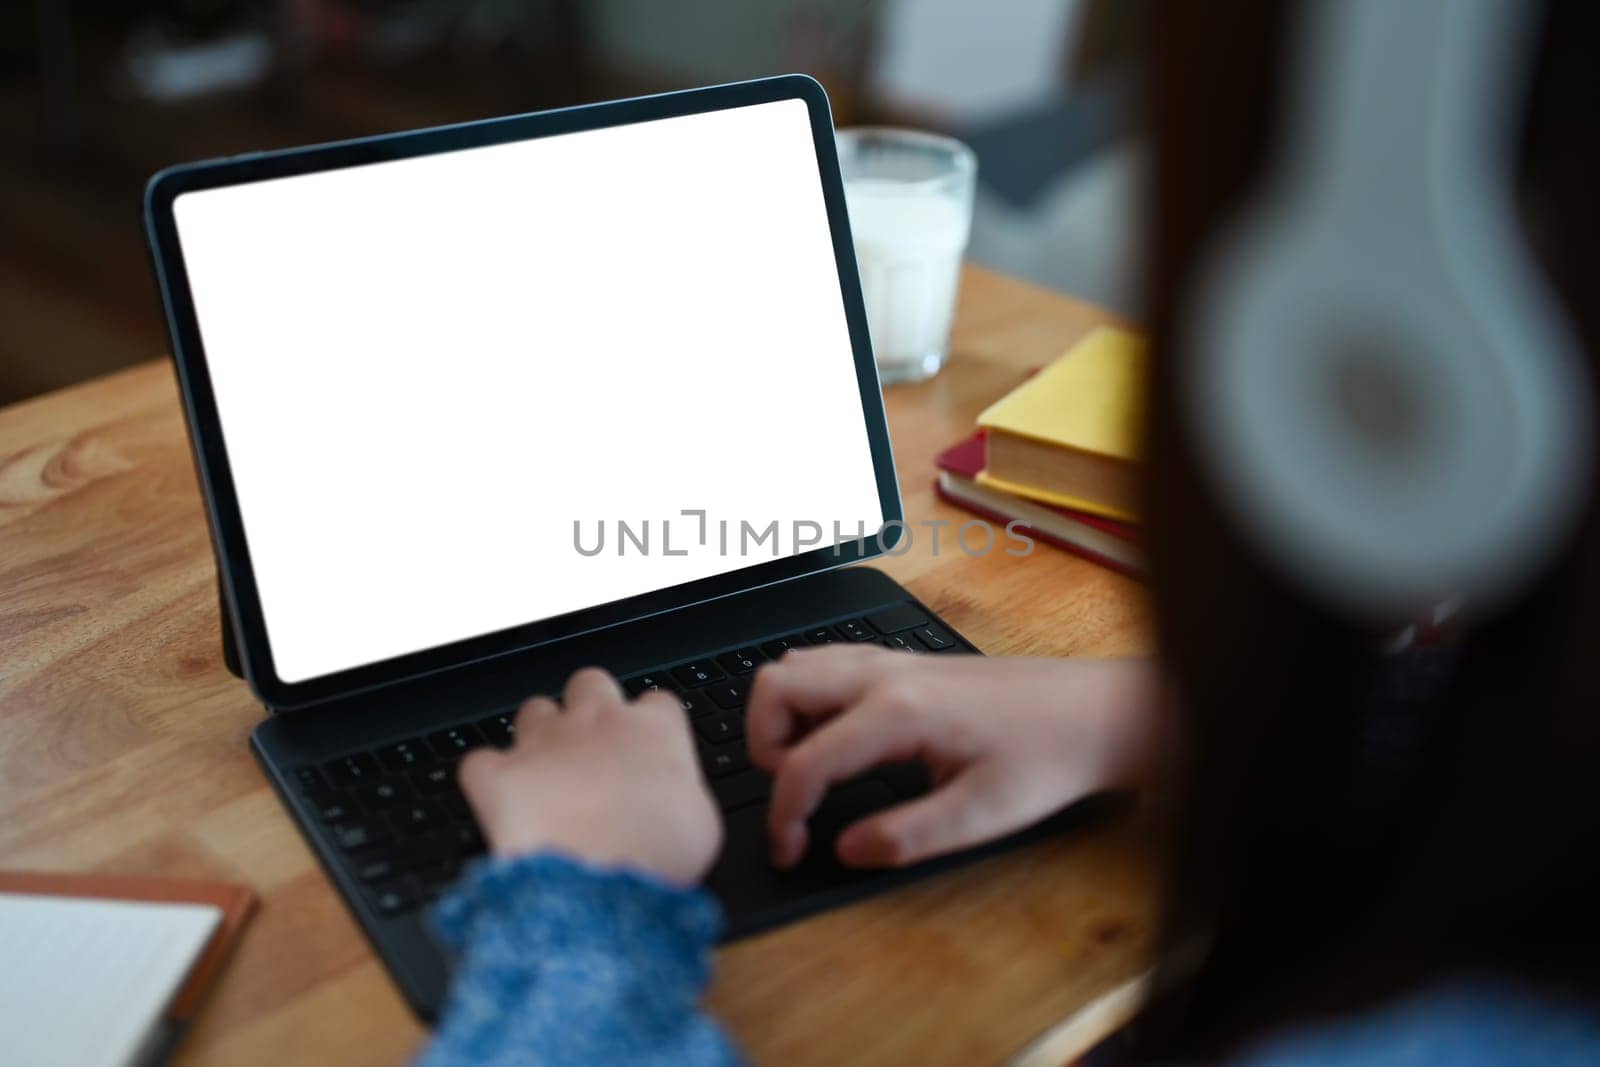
(1009, 741)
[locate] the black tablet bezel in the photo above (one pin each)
(207, 438)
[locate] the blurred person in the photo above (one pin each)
(1374, 857)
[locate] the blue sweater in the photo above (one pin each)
(563, 963)
(566, 964)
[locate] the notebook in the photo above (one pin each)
(1072, 434)
(1104, 541)
(132, 956)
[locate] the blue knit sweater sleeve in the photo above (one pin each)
(565, 963)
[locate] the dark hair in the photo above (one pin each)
(1321, 876)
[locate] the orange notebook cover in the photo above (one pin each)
(236, 902)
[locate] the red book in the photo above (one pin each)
(1105, 541)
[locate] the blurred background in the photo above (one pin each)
(96, 95)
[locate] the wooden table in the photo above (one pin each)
(123, 749)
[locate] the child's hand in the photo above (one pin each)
(1009, 741)
(600, 779)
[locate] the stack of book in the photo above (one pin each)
(1060, 454)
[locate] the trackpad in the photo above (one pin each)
(844, 805)
(751, 888)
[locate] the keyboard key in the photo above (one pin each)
(459, 842)
(377, 869)
(383, 795)
(416, 818)
(750, 787)
(725, 760)
(652, 680)
(716, 729)
(697, 673)
(501, 730)
(353, 770)
(895, 619)
(456, 741)
(694, 705)
(729, 694)
(466, 839)
(444, 868)
(455, 806)
(394, 898)
(336, 807)
(438, 876)
(821, 635)
(426, 849)
(775, 648)
(310, 781)
(358, 834)
(433, 780)
(936, 639)
(405, 756)
(900, 642)
(741, 661)
(856, 630)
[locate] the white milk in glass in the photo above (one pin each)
(910, 199)
(908, 246)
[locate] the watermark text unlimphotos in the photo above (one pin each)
(692, 531)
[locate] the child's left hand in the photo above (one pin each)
(600, 779)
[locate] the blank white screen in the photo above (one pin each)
(427, 369)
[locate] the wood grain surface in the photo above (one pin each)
(123, 750)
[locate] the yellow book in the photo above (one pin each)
(1072, 434)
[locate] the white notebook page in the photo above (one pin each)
(83, 982)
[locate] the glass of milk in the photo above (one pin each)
(910, 201)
